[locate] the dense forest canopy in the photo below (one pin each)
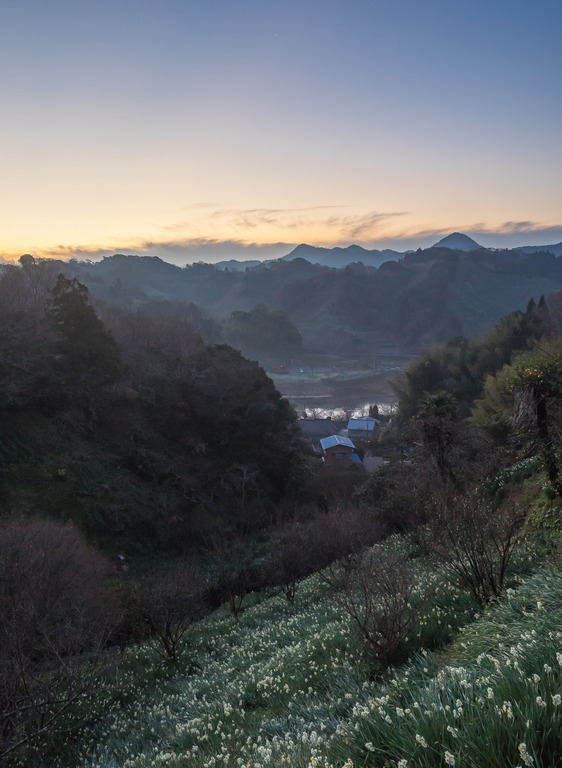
(132, 426)
(424, 297)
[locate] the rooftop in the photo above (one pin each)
(333, 440)
(367, 423)
(318, 427)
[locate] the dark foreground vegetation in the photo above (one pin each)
(182, 584)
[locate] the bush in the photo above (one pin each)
(379, 595)
(55, 616)
(473, 542)
(173, 601)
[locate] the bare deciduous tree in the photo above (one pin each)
(55, 616)
(378, 595)
(302, 547)
(236, 572)
(473, 542)
(173, 602)
(291, 558)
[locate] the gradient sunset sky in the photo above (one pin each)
(218, 129)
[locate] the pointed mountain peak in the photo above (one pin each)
(458, 242)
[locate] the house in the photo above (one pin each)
(363, 428)
(316, 429)
(337, 449)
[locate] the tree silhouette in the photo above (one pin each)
(436, 420)
(55, 617)
(87, 355)
(536, 384)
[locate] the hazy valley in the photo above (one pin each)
(187, 579)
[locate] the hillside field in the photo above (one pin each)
(289, 686)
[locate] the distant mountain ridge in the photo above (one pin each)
(342, 256)
(408, 301)
(328, 257)
(555, 249)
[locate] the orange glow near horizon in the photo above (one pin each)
(256, 228)
(173, 129)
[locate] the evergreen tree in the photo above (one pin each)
(436, 420)
(87, 355)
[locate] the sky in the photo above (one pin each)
(202, 130)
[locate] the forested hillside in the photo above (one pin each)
(182, 584)
(425, 297)
(133, 428)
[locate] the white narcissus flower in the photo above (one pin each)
(525, 756)
(421, 741)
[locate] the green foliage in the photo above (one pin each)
(151, 441)
(240, 434)
(460, 366)
(543, 522)
(192, 446)
(543, 374)
(537, 382)
(264, 333)
(513, 476)
(491, 413)
(87, 356)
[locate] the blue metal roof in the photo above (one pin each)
(366, 424)
(333, 440)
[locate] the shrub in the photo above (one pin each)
(474, 542)
(173, 601)
(55, 616)
(379, 595)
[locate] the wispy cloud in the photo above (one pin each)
(178, 251)
(244, 220)
(363, 226)
(214, 233)
(509, 234)
(519, 227)
(333, 221)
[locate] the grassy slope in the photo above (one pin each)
(288, 686)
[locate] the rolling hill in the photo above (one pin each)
(408, 301)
